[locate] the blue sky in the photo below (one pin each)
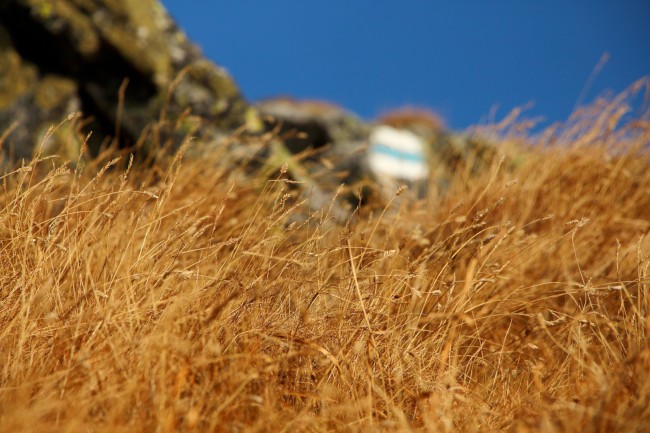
(461, 58)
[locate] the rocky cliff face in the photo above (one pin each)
(108, 59)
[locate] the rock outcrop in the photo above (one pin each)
(392, 151)
(320, 123)
(140, 82)
(113, 60)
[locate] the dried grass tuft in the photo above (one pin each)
(192, 297)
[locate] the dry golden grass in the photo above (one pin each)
(195, 297)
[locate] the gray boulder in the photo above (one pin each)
(409, 147)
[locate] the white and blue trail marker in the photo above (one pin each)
(397, 154)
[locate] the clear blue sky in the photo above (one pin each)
(458, 57)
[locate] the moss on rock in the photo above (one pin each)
(61, 54)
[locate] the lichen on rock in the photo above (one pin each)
(118, 61)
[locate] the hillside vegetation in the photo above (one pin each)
(198, 296)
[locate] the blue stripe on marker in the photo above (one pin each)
(398, 154)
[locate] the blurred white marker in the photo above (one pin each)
(398, 154)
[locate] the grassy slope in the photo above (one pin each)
(188, 303)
